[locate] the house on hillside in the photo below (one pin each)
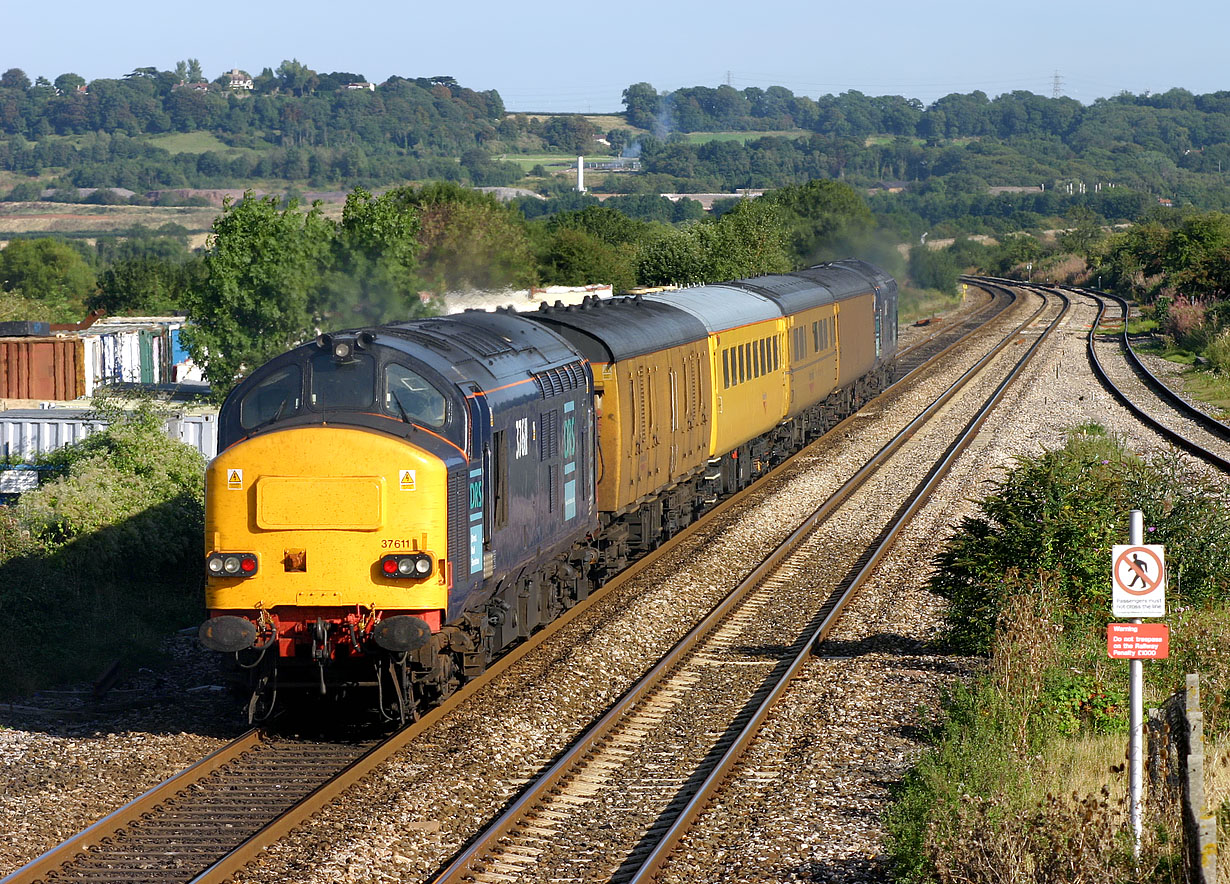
(370, 87)
(239, 80)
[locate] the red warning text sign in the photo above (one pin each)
(1138, 641)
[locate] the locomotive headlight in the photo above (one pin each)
(341, 350)
(231, 564)
(414, 566)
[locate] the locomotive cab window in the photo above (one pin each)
(348, 384)
(410, 397)
(276, 397)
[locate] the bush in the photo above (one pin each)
(1185, 323)
(1218, 352)
(130, 474)
(97, 563)
(1021, 784)
(1060, 513)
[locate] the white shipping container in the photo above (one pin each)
(26, 432)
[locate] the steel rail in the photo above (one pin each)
(657, 858)
(110, 825)
(463, 864)
(311, 805)
(1178, 439)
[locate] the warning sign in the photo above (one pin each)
(234, 480)
(1138, 641)
(1139, 576)
(406, 482)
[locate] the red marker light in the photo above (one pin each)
(248, 564)
(390, 566)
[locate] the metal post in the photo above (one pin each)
(1137, 691)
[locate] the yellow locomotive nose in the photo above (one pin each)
(318, 512)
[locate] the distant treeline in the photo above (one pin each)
(1167, 121)
(931, 164)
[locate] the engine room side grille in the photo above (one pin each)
(458, 510)
(548, 438)
(556, 381)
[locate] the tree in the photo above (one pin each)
(195, 74)
(821, 218)
(67, 83)
(1085, 233)
(49, 272)
(256, 301)
(609, 225)
(374, 276)
(14, 78)
(570, 132)
(641, 105)
(934, 269)
(571, 256)
(750, 240)
(296, 78)
(747, 241)
(469, 239)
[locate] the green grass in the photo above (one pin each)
(1211, 388)
(548, 160)
(194, 142)
(915, 304)
(706, 137)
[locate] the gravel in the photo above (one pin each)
(809, 803)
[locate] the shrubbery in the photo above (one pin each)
(98, 562)
(1057, 516)
(1025, 780)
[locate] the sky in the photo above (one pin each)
(553, 56)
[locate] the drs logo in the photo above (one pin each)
(476, 494)
(570, 437)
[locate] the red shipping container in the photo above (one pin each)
(42, 368)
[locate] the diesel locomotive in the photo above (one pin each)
(392, 507)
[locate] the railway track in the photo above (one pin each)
(178, 828)
(191, 852)
(1128, 379)
(727, 672)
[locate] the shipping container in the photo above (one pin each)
(28, 432)
(42, 368)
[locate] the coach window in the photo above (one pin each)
(726, 367)
(274, 397)
(410, 397)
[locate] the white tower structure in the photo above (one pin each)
(580, 174)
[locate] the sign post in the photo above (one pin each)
(1138, 573)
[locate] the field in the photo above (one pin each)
(195, 142)
(70, 219)
(705, 137)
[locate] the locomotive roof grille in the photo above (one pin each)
(444, 335)
(557, 381)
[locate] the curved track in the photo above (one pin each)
(719, 673)
(174, 838)
(1150, 399)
